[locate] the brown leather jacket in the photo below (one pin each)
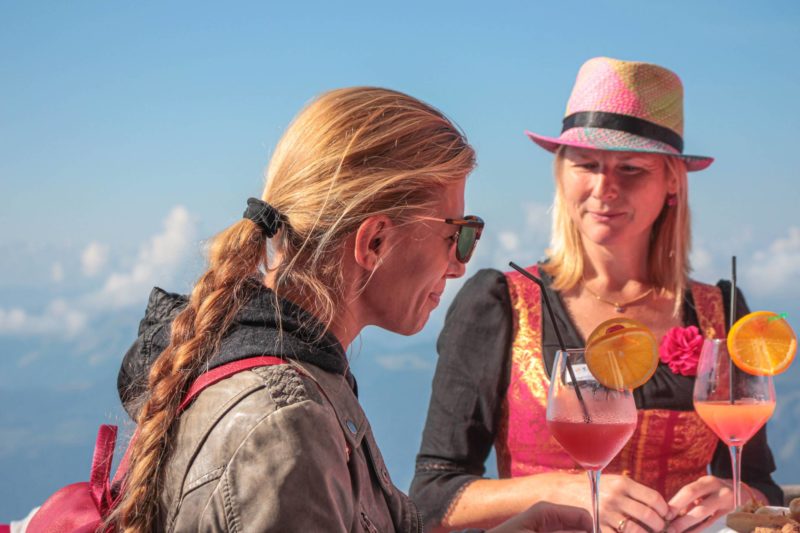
(280, 448)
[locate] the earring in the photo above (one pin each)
(672, 200)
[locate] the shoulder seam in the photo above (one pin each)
(284, 385)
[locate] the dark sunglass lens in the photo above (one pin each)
(466, 242)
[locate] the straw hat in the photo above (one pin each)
(626, 106)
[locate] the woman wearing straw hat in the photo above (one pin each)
(361, 223)
(619, 248)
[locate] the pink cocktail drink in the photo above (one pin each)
(592, 445)
(735, 423)
(590, 421)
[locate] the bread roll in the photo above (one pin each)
(774, 511)
(747, 522)
(794, 509)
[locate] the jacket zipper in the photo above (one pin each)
(367, 523)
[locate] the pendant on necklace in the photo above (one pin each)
(619, 308)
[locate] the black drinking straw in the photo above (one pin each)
(558, 333)
(731, 318)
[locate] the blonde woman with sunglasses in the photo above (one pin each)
(361, 223)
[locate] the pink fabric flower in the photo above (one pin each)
(680, 349)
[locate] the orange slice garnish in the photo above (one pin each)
(622, 353)
(762, 343)
(611, 325)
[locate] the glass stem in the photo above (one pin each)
(736, 465)
(594, 483)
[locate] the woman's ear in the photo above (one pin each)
(672, 186)
(370, 245)
(672, 181)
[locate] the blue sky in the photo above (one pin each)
(130, 132)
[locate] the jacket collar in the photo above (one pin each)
(264, 325)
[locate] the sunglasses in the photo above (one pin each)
(466, 237)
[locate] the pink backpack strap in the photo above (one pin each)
(103, 455)
(204, 381)
(221, 372)
(710, 309)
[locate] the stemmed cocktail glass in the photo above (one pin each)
(733, 403)
(590, 421)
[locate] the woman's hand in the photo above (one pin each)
(700, 503)
(546, 516)
(629, 507)
(625, 505)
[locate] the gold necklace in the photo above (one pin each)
(619, 307)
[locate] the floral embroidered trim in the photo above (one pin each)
(680, 349)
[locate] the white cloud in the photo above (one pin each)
(98, 358)
(538, 220)
(57, 272)
(524, 244)
(28, 359)
(776, 270)
(94, 258)
(702, 263)
(406, 361)
(508, 240)
(58, 319)
(12, 320)
(158, 261)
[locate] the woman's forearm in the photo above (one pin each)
(486, 503)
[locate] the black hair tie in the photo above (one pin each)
(267, 217)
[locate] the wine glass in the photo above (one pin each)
(590, 421)
(733, 403)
